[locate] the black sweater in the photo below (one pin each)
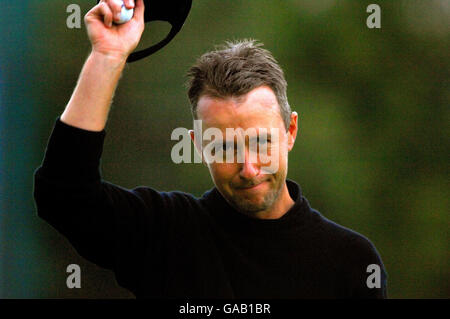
(172, 244)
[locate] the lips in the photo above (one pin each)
(251, 186)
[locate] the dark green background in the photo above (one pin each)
(372, 151)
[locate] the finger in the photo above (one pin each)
(139, 11)
(129, 4)
(116, 8)
(100, 12)
(105, 11)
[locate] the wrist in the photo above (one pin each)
(112, 59)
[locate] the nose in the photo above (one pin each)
(249, 168)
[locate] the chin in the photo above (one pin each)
(252, 207)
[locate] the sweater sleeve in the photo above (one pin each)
(367, 272)
(106, 224)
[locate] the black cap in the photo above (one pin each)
(173, 11)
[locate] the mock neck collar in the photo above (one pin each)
(229, 217)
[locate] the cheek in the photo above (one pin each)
(222, 172)
(284, 150)
(277, 159)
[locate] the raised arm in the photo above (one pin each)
(104, 222)
(89, 105)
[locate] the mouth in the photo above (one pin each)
(251, 187)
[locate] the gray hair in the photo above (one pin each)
(235, 69)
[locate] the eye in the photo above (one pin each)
(228, 146)
(263, 141)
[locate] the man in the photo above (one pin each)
(253, 236)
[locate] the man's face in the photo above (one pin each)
(247, 184)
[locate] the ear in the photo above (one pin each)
(197, 145)
(292, 130)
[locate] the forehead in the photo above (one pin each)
(257, 109)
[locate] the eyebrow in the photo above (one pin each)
(268, 137)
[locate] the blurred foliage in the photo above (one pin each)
(372, 151)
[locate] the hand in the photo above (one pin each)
(110, 39)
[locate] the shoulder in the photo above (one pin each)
(177, 204)
(348, 244)
(332, 230)
(352, 255)
(166, 197)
